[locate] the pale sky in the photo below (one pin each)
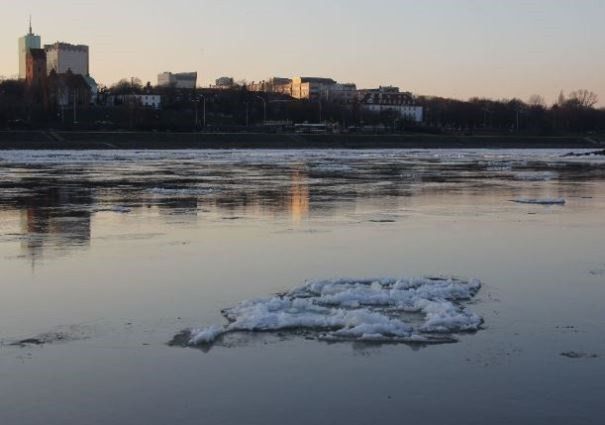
(454, 48)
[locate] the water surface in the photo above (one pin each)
(117, 252)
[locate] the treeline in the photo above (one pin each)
(575, 112)
(241, 110)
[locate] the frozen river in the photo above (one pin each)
(106, 257)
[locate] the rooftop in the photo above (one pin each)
(318, 80)
(65, 46)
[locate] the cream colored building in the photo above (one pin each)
(272, 85)
(390, 99)
(311, 87)
(181, 80)
(61, 57)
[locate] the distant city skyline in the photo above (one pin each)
(447, 48)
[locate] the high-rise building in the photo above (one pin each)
(182, 80)
(61, 57)
(28, 41)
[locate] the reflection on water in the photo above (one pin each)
(55, 218)
(130, 248)
(57, 196)
(299, 197)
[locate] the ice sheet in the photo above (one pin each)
(383, 310)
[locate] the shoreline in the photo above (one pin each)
(76, 140)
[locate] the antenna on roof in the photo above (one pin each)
(30, 24)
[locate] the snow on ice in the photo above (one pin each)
(425, 310)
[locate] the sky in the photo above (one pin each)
(452, 48)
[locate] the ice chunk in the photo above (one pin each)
(535, 176)
(181, 192)
(59, 335)
(358, 310)
(541, 201)
(207, 335)
(115, 209)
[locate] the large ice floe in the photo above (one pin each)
(541, 201)
(420, 310)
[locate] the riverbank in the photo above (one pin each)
(38, 140)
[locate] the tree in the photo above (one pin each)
(127, 86)
(12, 101)
(561, 99)
(584, 98)
(536, 100)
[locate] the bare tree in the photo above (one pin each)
(127, 86)
(584, 98)
(536, 100)
(561, 99)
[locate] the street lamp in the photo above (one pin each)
(264, 108)
(203, 110)
(320, 109)
(197, 101)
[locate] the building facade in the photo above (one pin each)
(69, 89)
(281, 85)
(311, 88)
(390, 99)
(181, 80)
(35, 72)
(61, 57)
(307, 88)
(153, 101)
(278, 85)
(341, 93)
(27, 42)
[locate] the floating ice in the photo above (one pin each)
(536, 176)
(182, 192)
(115, 209)
(542, 201)
(60, 335)
(428, 310)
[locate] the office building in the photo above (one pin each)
(181, 80)
(27, 42)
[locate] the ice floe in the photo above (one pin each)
(536, 176)
(541, 201)
(60, 335)
(424, 310)
(576, 355)
(118, 209)
(182, 192)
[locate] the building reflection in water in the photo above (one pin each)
(284, 195)
(299, 197)
(186, 206)
(57, 219)
(56, 208)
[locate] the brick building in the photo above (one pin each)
(35, 73)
